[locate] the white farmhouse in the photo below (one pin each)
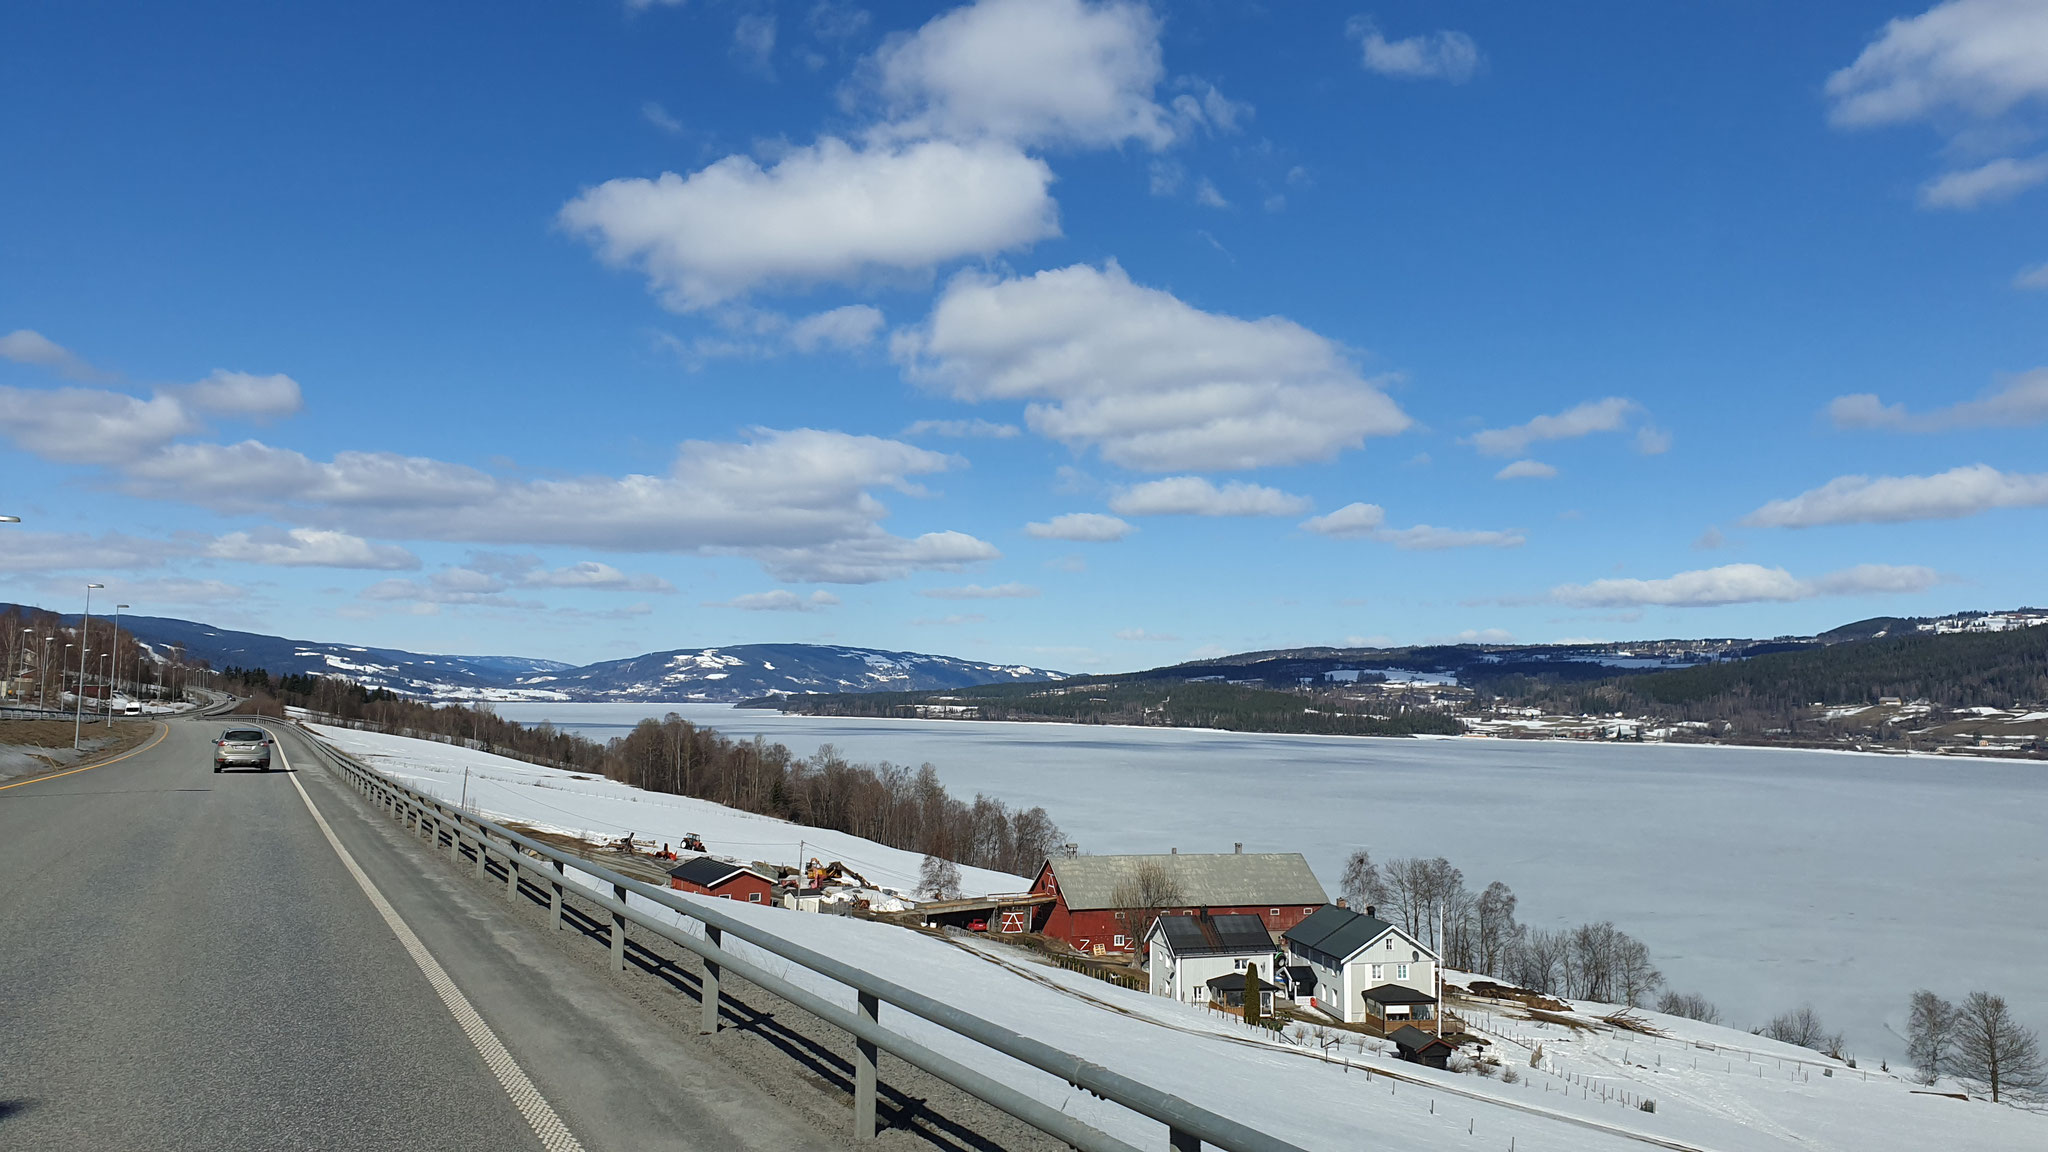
(1185, 953)
(1364, 969)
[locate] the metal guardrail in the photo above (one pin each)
(1189, 1126)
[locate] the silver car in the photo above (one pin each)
(249, 747)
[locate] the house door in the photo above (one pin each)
(1016, 920)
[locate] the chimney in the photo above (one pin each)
(1343, 903)
(1174, 851)
(1370, 910)
(1238, 847)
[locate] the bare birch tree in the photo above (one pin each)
(1993, 1049)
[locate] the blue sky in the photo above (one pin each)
(1089, 335)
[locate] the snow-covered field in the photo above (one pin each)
(1740, 1094)
(596, 808)
(1761, 878)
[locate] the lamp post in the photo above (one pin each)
(44, 667)
(60, 676)
(85, 649)
(21, 662)
(118, 608)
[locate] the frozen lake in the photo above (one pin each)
(1761, 878)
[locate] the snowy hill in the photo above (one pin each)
(1716, 1089)
(748, 671)
(715, 675)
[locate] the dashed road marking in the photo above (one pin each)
(547, 1125)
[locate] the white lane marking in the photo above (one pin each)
(554, 1135)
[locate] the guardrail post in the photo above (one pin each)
(864, 1074)
(512, 875)
(1181, 1141)
(483, 854)
(709, 1024)
(555, 898)
(619, 929)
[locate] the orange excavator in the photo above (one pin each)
(818, 875)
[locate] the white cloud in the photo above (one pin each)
(1442, 55)
(1139, 635)
(1207, 196)
(829, 212)
(90, 425)
(779, 600)
(753, 41)
(1361, 521)
(64, 552)
(848, 328)
(1988, 183)
(2022, 400)
(977, 592)
(1030, 72)
(245, 394)
(1082, 526)
(1652, 441)
(1950, 495)
(1981, 58)
(309, 548)
(1427, 538)
(962, 429)
(177, 590)
(2033, 279)
(655, 114)
(1354, 521)
(797, 501)
(1150, 382)
(25, 346)
(1195, 496)
(1608, 415)
(1526, 470)
(1744, 584)
(950, 621)
(594, 576)
(458, 586)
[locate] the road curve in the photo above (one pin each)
(186, 962)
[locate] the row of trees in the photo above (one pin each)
(892, 804)
(1478, 932)
(39, 654)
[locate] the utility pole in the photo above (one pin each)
(118, 609)
(84, 649)
(1439, 967)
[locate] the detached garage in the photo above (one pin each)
(723, 879)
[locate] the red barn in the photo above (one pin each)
(708, 877)
(1091, 911)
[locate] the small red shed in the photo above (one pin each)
(723, 879)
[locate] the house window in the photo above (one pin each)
(1400, 971)
(1379, 971)
(1308, 911)
(1119, 915)
(753, 897)
(1272, 911)
(725, 895)
(1240, 963)
(1119, 941)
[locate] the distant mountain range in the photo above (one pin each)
(712, 675)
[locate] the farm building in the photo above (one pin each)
(1100, 901)
(706, 876)
(1183, 954)
(1366, 970)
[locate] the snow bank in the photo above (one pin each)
(596, 808)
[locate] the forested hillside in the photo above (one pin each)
(1957, 670)
(1122, 700)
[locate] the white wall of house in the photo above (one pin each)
(1391, 958)
(1186, 978)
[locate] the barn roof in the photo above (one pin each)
(1204, 880)
(1215, 935)
(1397, 994)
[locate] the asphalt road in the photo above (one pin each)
(186, 963)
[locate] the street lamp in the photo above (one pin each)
(117, 663)
(85, 649)
(44, 668)
(20, 664)
(10, 519)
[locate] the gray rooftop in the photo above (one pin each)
(1204, 880)
(1335, 931)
